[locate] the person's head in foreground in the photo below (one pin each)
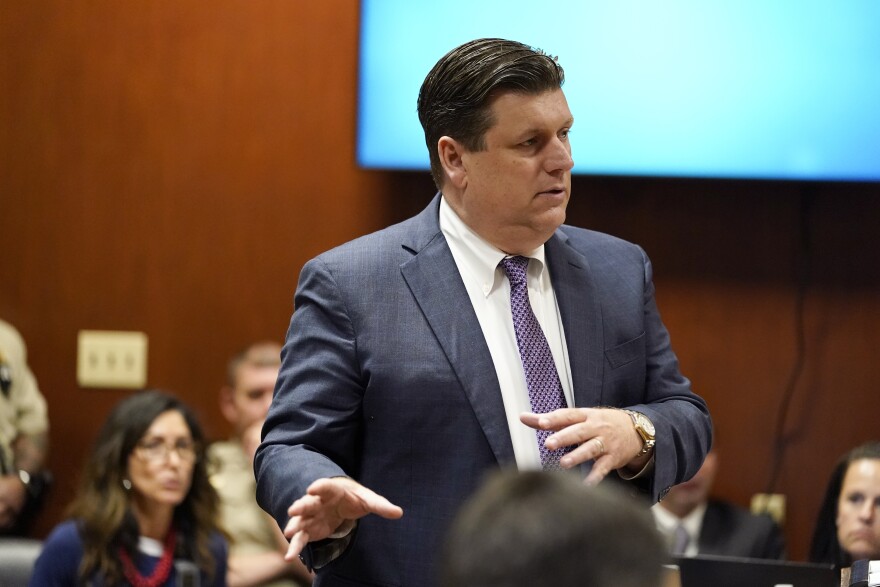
(543, 529)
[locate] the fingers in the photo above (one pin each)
(297, 542)
(600, 470)
(593, 449)
(555, 420)
(329, 504)
(572, 427)
(376, 504)
(605, 436)
(384, 508)
(307, 504)
(351, 500)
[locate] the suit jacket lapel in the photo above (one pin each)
(580, 310)
(434, 280)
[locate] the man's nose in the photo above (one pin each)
(559, 158)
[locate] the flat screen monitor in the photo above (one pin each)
(787, 89)
(718, 571)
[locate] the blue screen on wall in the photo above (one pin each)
(766, 89)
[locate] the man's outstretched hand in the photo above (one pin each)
(331, 506)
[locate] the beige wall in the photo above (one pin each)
(170, 166)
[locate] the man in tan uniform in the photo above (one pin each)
(256, 555)
(24, 430)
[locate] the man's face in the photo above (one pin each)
(248, 402)
(688, 495)
(515, 191)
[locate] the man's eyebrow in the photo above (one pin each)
(533, 130)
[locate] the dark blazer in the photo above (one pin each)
(730, 530)
(386, 377)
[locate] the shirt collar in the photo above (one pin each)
(479, 257)
(693, 522)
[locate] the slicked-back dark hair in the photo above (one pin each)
(456, 96)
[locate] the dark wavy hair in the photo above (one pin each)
(825, 548)
(456, 96)
(102, 507)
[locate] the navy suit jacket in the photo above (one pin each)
(729, 530)
(386, 378)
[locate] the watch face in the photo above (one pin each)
(646, 424)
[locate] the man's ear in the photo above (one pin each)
(227, 404)
(450, 153)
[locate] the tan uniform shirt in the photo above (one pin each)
(22, 406)
(250, 529)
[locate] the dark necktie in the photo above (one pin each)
(542, 380)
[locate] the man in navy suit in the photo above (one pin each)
(402, 382)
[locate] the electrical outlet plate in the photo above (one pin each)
(111, 359)
(772, 504)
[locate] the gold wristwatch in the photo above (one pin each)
(645, 428)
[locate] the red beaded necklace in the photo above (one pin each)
(160, 573)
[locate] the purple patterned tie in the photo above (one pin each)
(542, 380)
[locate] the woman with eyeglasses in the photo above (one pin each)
(145, 514)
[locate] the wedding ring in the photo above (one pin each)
(601, 446)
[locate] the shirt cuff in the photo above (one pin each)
(646, 470)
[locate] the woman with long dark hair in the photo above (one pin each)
(145, 514)
(848, 525)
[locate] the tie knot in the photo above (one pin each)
(515, 267)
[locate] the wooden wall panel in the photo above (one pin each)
(169, 167)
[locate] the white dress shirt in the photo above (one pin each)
(693, 522)
(489, 291)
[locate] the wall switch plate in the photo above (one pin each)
(772, 504)
(111, 359)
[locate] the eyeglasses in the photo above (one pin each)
(157, 451)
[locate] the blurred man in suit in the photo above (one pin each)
(694, 523)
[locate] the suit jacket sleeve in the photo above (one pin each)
(620, 350)
(684, 429)
(318, 387)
